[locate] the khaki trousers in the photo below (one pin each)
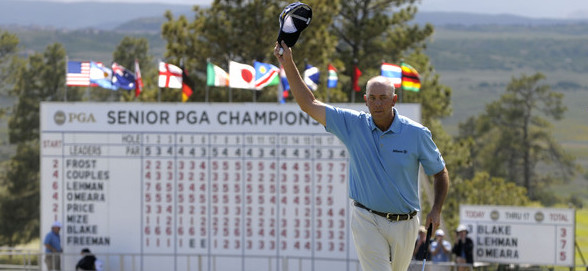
(53, 261)
(383, 245)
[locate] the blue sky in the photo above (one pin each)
(529, 8)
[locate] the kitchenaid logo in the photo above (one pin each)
(61, 117)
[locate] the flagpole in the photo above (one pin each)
(353, 79)
(182, 89)
(253, 91)
(89, 85)
(207, 87)
(280, 88)
(401, 90)
(112, 90)
(158, 86)
(230, 94)
(230, 88)
(327, 84)
(66, 67)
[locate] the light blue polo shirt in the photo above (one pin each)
(52, 239)
(384, 165)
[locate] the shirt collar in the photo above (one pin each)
(394, 128)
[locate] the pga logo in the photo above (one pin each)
(61, 117)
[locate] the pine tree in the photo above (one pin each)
(41, 78)
(513, 139)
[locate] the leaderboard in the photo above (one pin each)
(509, 234)
(234, 184)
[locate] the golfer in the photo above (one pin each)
(385, 151)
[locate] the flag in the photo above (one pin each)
(356, 75)
(101, 76)
(410, 78)
(332, 77)
(78, 74)
(122, 78)
(241, 75)
(187, 85)
(170, 76)
(265, 75)
(311, 77)
(138, 79)
(284, 80)
(215, 76)
(284, 86)
(394, 72)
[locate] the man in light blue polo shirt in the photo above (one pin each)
(385, 151)
(53, 248)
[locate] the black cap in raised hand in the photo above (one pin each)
(294, 18)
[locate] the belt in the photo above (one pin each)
(389, 216)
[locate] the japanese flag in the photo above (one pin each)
(241, 75)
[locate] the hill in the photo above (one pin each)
(471, 19)
(71, 16)
(110, 16)
(478, 62)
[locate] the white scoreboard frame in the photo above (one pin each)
(89, 184)
(521, 235)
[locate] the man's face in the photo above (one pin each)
(380, 100)
(56, 229)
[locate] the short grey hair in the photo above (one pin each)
(380, 80)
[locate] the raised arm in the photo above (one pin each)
(303, 95)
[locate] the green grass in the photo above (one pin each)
(31, 259)
(582, 235)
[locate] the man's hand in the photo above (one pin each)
(285, 56)
(435, 218)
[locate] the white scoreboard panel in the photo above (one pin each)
(237, 184)
(521, 235)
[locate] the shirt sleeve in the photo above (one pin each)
(338, 121)
(447, 245)
(47, 240)
(334, 123)
(430, 157)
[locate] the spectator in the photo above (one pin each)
(463, 248)
(89, 262)
(440, 248)
(53, 249)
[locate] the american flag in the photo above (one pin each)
(78, 74)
